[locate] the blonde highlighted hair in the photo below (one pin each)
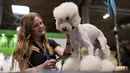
(22, 49)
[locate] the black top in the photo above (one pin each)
(39, 56)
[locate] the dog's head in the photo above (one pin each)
(66, 16)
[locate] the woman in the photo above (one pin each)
(33, 50)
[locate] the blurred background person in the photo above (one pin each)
(125, 53)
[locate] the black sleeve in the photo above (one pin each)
(52, 43)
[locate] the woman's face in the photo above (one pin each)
(38, 27)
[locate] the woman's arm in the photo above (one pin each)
(68, 49)
(56, 47)
(59, 51)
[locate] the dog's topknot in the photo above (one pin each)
(65, 9)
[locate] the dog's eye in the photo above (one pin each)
(61, 20)
(67, 18)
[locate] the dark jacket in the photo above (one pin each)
(125, 57)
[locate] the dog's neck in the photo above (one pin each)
(73, 31)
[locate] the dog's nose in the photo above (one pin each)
(64, 29)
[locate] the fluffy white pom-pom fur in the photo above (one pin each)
(71, 64)
(65, 9)
(107, 66)
(90, 63)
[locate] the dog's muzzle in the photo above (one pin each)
(64, 29)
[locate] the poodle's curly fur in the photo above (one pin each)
(81, 35)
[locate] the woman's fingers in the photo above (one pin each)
(51, 61)
(50, 64)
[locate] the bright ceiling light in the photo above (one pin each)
(18, 28)
(21, 10)
(106, 16)
(3, 34)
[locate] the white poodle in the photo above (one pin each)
(81, 35)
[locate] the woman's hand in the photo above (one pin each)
(50, 64)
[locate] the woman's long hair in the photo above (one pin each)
(22, 49)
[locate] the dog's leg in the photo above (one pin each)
(76, 48)
(103, 44)
(84, 42)
(90, 47)
(87, 44)
(76, 51)
(68, 49)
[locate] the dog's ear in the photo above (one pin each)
(56, 25)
